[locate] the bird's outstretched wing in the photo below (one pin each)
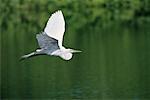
(55, 27)
(47, 43)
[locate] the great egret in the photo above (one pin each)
(50, 41)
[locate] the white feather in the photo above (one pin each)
(55, 27)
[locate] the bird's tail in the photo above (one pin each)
(27, 56)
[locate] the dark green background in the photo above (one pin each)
(114, 36)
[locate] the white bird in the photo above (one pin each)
(50, 41)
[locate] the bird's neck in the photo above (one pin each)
(62, 48)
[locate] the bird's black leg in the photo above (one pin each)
(28, 55)
(36, 53)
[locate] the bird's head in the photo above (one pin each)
(67, 53)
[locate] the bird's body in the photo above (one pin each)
(50, 41)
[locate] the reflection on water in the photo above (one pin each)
(114, 64)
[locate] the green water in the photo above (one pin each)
(114, 64)
(114, 36)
